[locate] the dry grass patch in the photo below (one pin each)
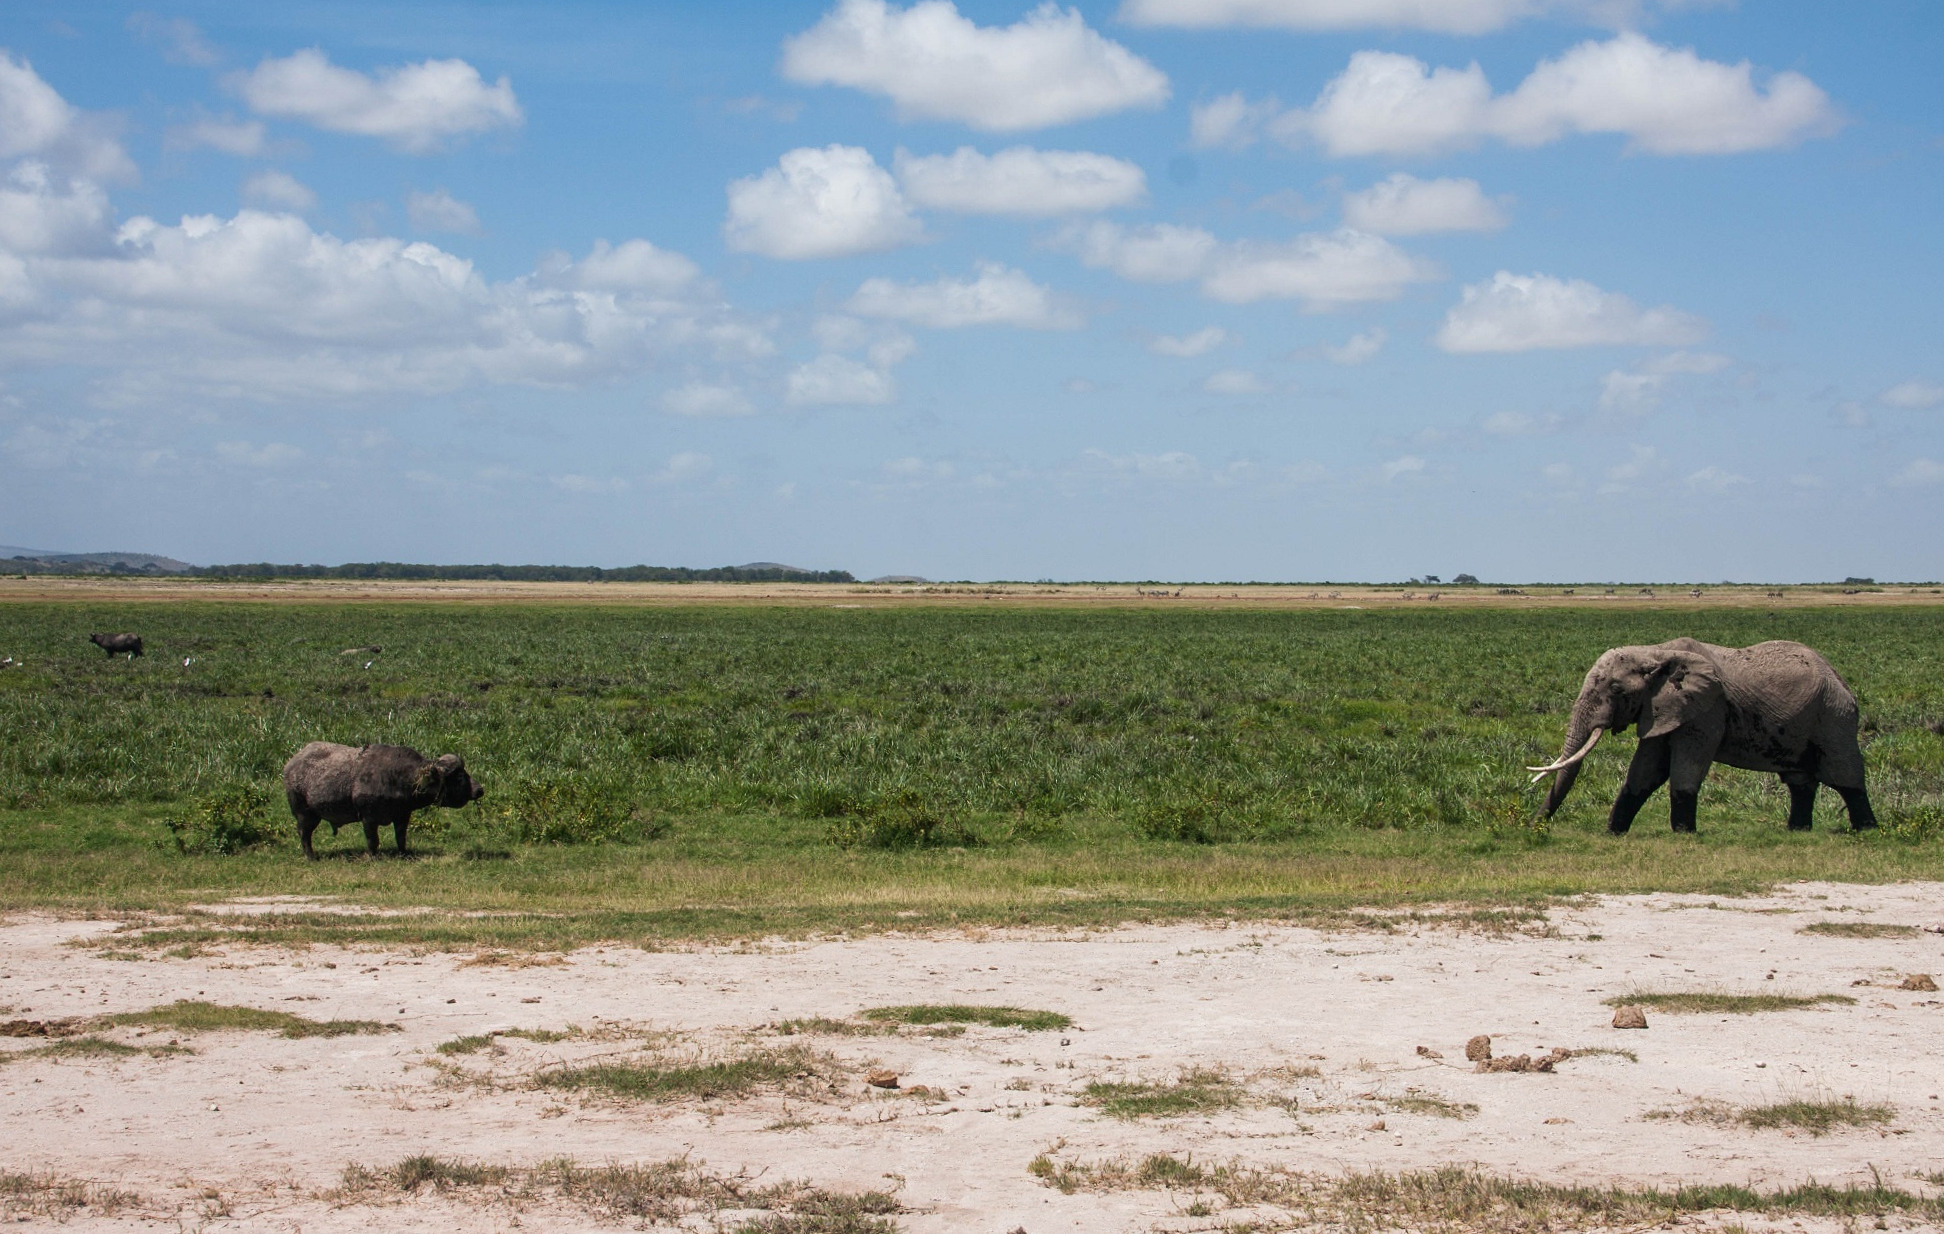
(1817, 1117)
(959, 1013)
(793, 1069)
(95, 1047)
(1456, 1199)
(191, 1016)
(23, 1196)
(662, 1193)
(823, 1026)
(1416, 1102)
(1196, 1091)
(1704, 1002)
(1859, 929)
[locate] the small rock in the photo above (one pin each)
(1629, 1017)
(1479, 1048)
(1376, 1126)
(1427, 1052)
(1554, 1122)
(1919, 981)
(882, 1079)
(1518, 1062)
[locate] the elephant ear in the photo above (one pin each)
(1686, 688)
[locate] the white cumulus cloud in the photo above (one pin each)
(1913, 395)
(1187, 346)
(1020, 181)
(934, 64)
(702, 399)
(243, 138)
(830, 202)
(1439, 16)
(1409, 465)
(1712, 479)
(1325, 270)
(1526, 312)
(1151, 253)
(1919, 471)
(1230, 122)
(416, 107)
(36, 121)
(441, 211)
(1234, 381)
(1404, 205)
(835, 380)
(1664, 100)
(279, 189)
(1000, 296)
(1358, 348)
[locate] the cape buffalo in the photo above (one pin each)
(115, 644)
(373, 785)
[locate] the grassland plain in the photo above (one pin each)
(788, 768)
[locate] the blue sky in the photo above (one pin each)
(1189, 289)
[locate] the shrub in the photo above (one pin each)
(1914, 823)
(572, 811)
(904, 819)
(230, 820)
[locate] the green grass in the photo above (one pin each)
(1859, 929)
(93, 1047)
(755, 771)
(790, 1068)
(1454, 1198)
(1702, 1002)
(470, 1044)
(192, 1016)
(663, 1193)
(1818, 1117)
(957, 1013)
(1197, 1091)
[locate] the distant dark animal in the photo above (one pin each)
(373, 785)
(1776, 707)
(115, 644)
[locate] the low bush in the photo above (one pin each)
(904, 819)
(566, 810)
(230, 820)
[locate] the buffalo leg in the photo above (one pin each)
(398, 832)
(1862, 817)
(371, 836)
(306, 823)
(1646, 773)
(1802, 804)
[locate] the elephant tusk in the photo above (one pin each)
(1564, 763)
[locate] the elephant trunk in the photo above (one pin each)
(1581, 735)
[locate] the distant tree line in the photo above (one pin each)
(527, 574)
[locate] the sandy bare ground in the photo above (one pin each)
(253, 1131)
(948, 595)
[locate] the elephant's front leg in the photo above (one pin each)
(1691, 753)
(1802, 803)
(1857, 801)
(1647, 772)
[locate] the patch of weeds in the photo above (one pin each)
(545, 1036)
(1197, 1091)
(1859, 929)
(95, 1047)
(1914, 824)
(514, 959)
(565, 810)
(1430, 1104)
(1699, 1002)
(827, 1212)
(791, 1069)
(230, 820)
(472, 1044)
(48, 1195)
(1818, 1118)
(959, 1013)
(191, 1016)
(905, 819)
(1606, 1051)
(823, 1026)
(1458, 1199)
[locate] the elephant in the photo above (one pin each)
(373, 785)
(1776, 706)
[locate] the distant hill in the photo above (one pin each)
(38, 561)
(897, 578)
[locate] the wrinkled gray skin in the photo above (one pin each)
(373, 785)
(115, 644)
(1775, 706)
